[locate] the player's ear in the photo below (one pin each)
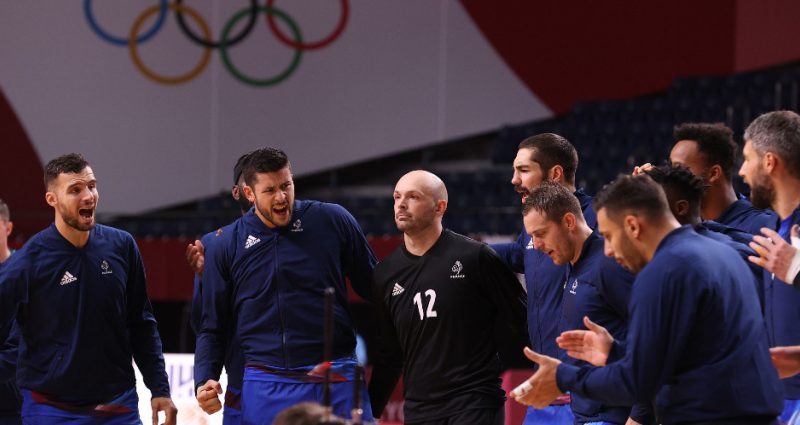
(632, 226)
(769, 161)
(569, 220)
(50, 198)
(441, 207)
(249, 194)
(556, 174)
(682, 208)
(714, 174)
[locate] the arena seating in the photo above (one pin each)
(611, 137)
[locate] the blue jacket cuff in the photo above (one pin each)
(566, 376)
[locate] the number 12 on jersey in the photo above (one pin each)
(431, 294)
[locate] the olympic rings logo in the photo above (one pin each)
(227, 40)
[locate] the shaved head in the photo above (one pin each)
(425, 182)
(420, 200)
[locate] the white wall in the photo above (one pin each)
(402, 75)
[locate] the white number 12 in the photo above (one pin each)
(430, 293)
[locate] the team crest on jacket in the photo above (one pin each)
(457, 268)
(105, 267)
(297, 226)
(574, 287)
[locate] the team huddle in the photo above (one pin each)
(667, 298)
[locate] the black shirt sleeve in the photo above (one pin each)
(503, 288)
(388, 363)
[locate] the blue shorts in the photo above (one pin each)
(550, 415)
(791, 413)
(123, 410)
(232, 412)
(266, 394)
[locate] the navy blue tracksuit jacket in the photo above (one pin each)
(84, 314)
(234, 361)
(272, 283)
(597, 287)
(743, 216)
(544, 282)
(782, 310)
(696, 344)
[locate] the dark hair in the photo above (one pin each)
(306, 413)
(777, 132)
(5, 213)
(554, 200)
(549, 150)
(70, 163)
(239, 167)
(679, 181)
(714, 142)
(639, 195)
(264, 160)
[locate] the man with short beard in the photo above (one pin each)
(771, 168)
(544, 157)
(268, 275)
(83, 313)
(440, 295)
(596, 288)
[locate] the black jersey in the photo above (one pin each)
(439, 311)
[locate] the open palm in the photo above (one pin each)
(592, 345)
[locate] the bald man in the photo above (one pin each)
(439, 295)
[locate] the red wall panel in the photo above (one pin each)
(577, 50)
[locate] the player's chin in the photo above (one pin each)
(281, 221)
(86, 226)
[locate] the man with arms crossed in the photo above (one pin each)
(83, 312)
(440, 295)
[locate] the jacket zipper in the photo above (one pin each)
(280, 310)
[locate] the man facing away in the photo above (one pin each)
(440, 295)
(83, 313)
